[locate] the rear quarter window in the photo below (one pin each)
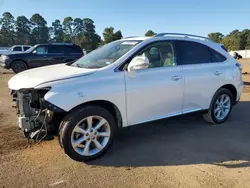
(216, 56)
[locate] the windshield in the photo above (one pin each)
(31, 49)
(106, 54)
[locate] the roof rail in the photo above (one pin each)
(129, 37)
(184, 35)
(60, 43)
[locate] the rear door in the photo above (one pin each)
(72, 52)
(56, 54)
(203, 75)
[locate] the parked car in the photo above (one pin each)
(41, 55)
(19, 48)
(126, 82)
(16, 48)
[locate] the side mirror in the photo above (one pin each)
(34, 52)
(138, 63)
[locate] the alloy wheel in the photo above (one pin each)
(90, 135)
(222, 107)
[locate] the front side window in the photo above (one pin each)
(193, 53)
(161, 54)
(41, 50)
(106, 54)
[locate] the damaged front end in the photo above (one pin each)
(36, 116)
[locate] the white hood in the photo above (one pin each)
(33, 77)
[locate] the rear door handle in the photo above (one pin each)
(217, 73)
(176, 78)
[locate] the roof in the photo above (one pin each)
(173, 36)
(136, 38)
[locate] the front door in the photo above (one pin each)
(39, 57)
(155, 92)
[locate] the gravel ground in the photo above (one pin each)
(178, 152)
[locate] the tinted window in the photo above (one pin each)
(26, 48)
(17, 49)
(73, 49)
(56, 49)
(193, 53)
(217, 57)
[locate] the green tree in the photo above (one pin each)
(89, 39)
(73, 29)
(57, 34)
(216, 37)
(150, 33)
(23, 30)
(109, 35)
(245, 34)
(236, 40)
(7, 23)
(68, 28)
(40, 31)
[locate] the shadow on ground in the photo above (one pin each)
(247, 83)
(184, 140)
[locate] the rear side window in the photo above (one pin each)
(17, 49)
(216, 57)
(193, 53)
(56, 49)
(73, 49)
(26, 48)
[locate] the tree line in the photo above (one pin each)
(35, 30)
(82, 32)
(236, 40)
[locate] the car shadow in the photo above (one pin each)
(183, 140)
(247, 83)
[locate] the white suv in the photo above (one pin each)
(126, 82)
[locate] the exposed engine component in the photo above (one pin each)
(34, 113)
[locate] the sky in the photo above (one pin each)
(135, 17)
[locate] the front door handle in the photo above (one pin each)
(176, 78)
(217, 73)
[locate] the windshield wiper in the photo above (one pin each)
(88, 67)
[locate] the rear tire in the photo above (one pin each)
(18, 66)
(220, 107)
(87, 132)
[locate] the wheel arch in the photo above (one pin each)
(111, 107)
(19, 60)
(232, 89)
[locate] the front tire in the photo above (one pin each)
(18, 66)
(87, 133)
(220, 107)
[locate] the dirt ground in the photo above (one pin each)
(177, 152)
